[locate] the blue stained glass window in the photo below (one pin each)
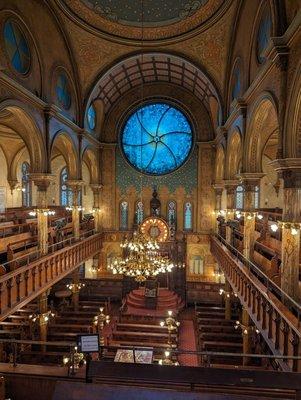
(66, 191)
(124, 215)
(16, 47)
(63, 92)
(139, 212)
(188, 216)
(157, 138)
(26, 186)
(236, 85)
(91, 117)
(172, 213)
(263, 35)
(239, 197)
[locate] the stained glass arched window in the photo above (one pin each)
(172, 213)
(91, 117)
(263, 35)
(124, 211)
(236, 83)
(66, 195)
(26, 186)
(139, 212)
(257, 197)
(239, 197)
(63, 92)
(188, 216)
(157, 138)
(16, 47)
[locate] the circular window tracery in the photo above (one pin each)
(157, 138)
(16, 47)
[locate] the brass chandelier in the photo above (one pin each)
(141, 259)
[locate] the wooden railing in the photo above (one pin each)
(23, 285)
(278, 319)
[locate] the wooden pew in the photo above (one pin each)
(140, 327)
(135, 337)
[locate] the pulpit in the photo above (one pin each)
(151, 294)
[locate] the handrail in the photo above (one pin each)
(30, 257)
(269, 283)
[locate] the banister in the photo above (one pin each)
(21, 286)
(277, 324)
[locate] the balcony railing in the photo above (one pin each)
(21, 286)
(275, 314)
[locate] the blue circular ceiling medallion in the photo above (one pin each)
(157, 138)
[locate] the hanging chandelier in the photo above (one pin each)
(141, 259)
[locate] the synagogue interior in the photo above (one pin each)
(150, 199)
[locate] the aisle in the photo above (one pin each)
(187, 342)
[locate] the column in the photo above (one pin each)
(228, 303)
(246, 334)
(43, 324)
(96, 188)
(218, 190)
(230, 186)
(42, 181)
(75, 290)
(290, 225)
(76, 186)
(249, 182)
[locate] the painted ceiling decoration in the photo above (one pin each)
(120, 20)
(151, 68)
(155, 12)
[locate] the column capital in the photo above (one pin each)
(41, 180)
(75, 184)
(96, 187)
(230, 184)
(251, 179)
(290, 169)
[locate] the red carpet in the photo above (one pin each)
(187, 342)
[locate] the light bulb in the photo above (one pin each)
(259, 216)
(294, 231)
(274, 227)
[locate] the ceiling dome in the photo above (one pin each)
(155, 12)
(162, 19)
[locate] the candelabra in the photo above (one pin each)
(246, 330)
(74, 361)
(78, 208)
(75, 287)
(45, 212)
(228, 295)
(172, 327)
(167, 360)
(99, 321)
(43, 318)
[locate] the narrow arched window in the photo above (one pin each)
(124, 211)
(188, 216)
(66, 195)
(257, 197)
(139, 212)
(26, 186)
(172, 213)
(239, 197)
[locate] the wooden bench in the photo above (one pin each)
(156, 346)
(140, 327)
(217, 328)
(229, 337)
(21, 249)
(218, 346)
(136, 337)
(73, 328)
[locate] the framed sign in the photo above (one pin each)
(88, 343)
(139, 356)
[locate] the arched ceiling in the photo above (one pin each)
(162, 19)
(155, 68)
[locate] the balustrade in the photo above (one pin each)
(24, 284)
(274, 317)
